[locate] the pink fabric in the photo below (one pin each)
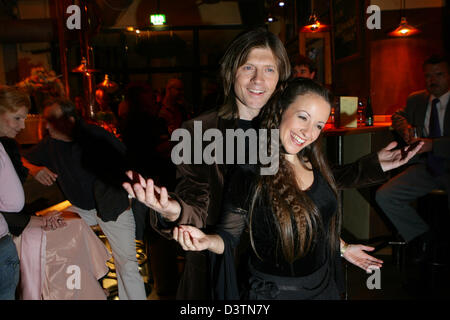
(69, 267)
(32, 255)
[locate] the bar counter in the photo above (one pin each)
(344, 145)
(343, 131)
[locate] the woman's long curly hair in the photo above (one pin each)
(296, 216)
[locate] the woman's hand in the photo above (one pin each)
(391, 159)
(152, 196)
(193, 239)
(53, 220)
(355, 254)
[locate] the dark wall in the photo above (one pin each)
(396, 63)
(351, 75)
(388, 68)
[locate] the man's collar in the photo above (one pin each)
(443, 99)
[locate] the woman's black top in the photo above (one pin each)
(364, 172)
(264, 226)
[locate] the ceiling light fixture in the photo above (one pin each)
(314, 25)
(271, 18)
(404, 29)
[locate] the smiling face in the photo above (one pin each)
(255, 82)
(12, 122)
(303, 121)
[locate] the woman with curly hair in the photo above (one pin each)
(293, 216)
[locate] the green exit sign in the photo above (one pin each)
(158, 19)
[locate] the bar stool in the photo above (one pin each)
(434, 209)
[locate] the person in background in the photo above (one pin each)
(14, 106)
(211, 96)
(174, 112)
(173, 108)
(303, 67)
(426, 118)
(12, 198)
(87, 162)
(140, 110)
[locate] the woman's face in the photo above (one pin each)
(12, 122)
(303, 121)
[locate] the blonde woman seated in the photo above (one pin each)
(46, 245)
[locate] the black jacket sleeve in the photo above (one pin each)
(16, 222)
(362, 173)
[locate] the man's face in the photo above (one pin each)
(58, 127)
(255, 81)
(176, 91)
(437, 78)
(303, 72)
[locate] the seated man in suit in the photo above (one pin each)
(426, 117)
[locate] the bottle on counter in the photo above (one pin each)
(336, 111)
(332, 120)
(360, 113)
(369, 113)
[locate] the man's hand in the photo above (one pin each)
(45, 176)
(42, 174)
(404, 129)
(427, 145)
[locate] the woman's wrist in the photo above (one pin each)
(344, 247)
(216, 244)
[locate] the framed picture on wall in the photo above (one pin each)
(317, 47)
(346, 30)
